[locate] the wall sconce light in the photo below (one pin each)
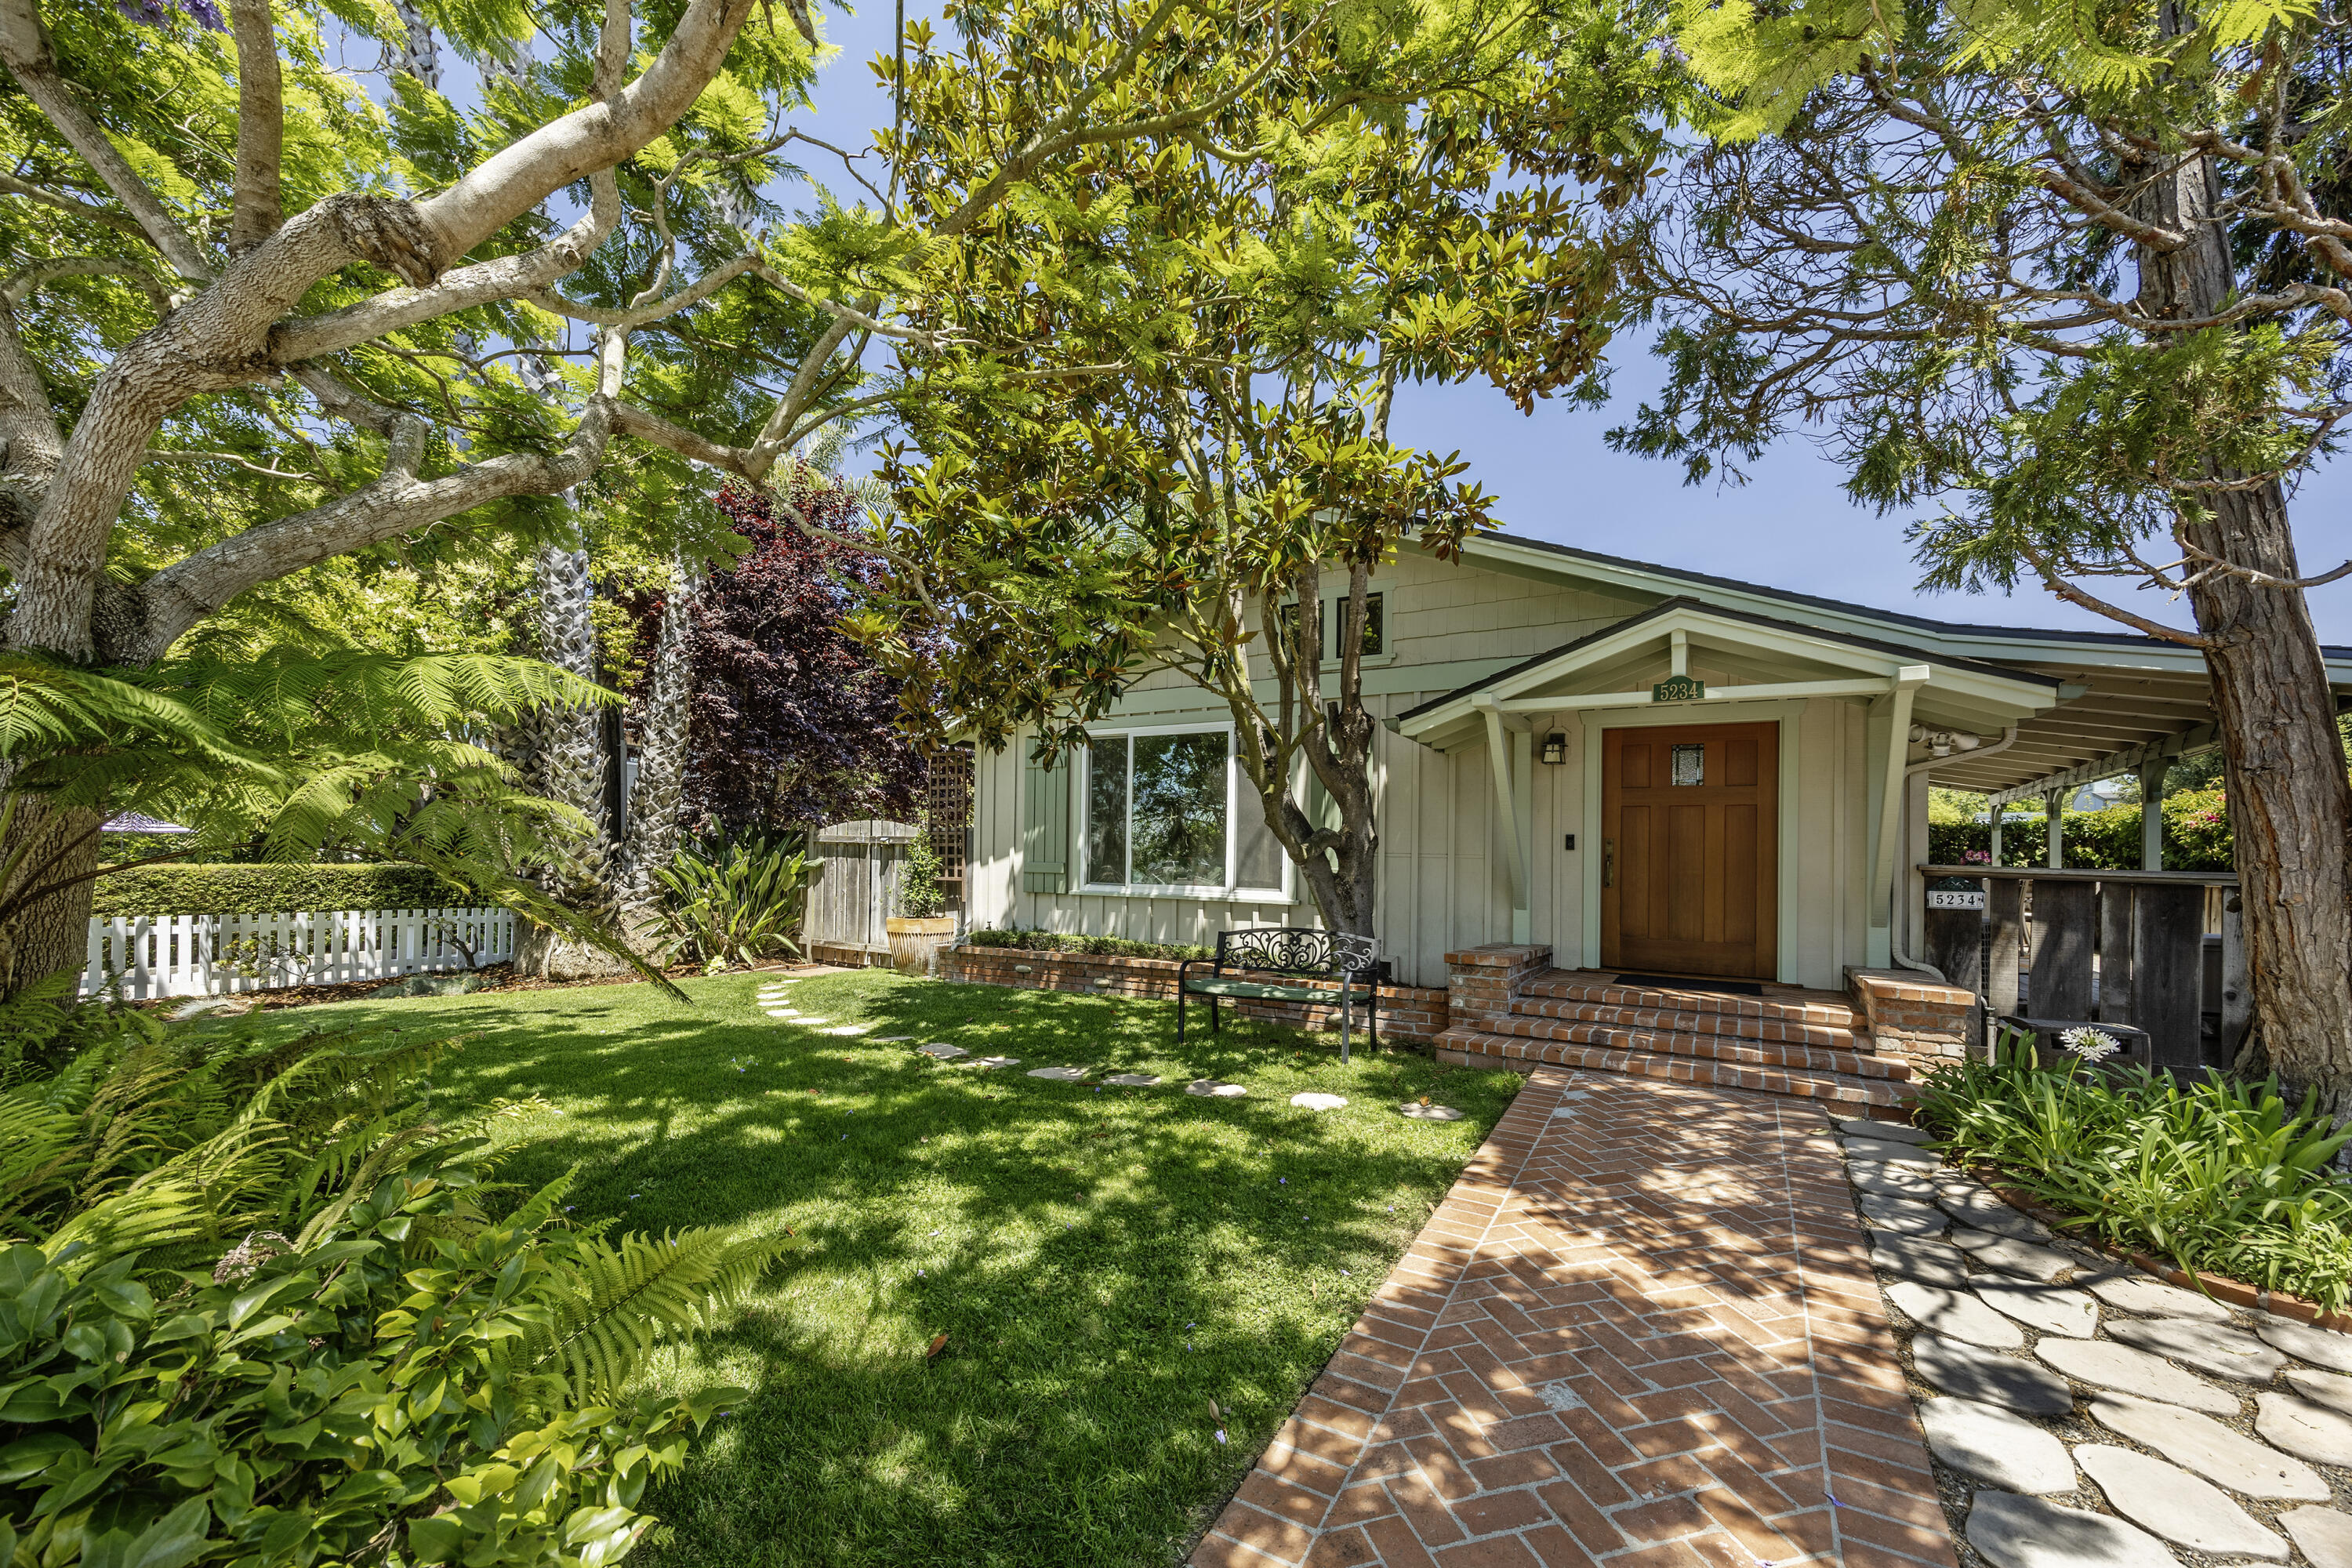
(1555, 748)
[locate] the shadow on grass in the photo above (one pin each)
(1105, 1262)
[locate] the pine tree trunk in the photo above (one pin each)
(2290, 809)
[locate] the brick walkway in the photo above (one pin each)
(1642, 1332)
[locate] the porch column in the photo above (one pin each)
(2053, 803)
(1883, 880)
(1998, 812)
(2151, 813)
(1510, 794)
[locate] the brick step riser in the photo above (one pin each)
(1545, 988)
(1770, 1031)
(1714, 1047)
(1474, 1048)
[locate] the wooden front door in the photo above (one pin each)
(1689, 844)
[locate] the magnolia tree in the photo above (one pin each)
(264, 311)
(2088, 274)
(1173, 366)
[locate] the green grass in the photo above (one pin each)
(1105, 1262)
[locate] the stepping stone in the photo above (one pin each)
(2322, 1388)
(2051, 1308)
(2325, 1535)
(1421, 1112)
(2209, 1347)
(1318, 1102)
(2139, 1293)
(2015, 1531)
(2103, 1364)
(2203, 1447)
(2173, 1503)
(1134, 1079)
(1888, 1153)
(1890, 1181)
(1975, 1207)
(784, 1012)
(2309, 1431)
(998, 1062)
(1060, 1075)
(1921, 1262)
(1213, 1089)
(847, 1029)
(1897, 1217)
(1862, 1127)
(1994, 1444)
(892, 1039)
(1979, 1374)
(944, 1053)
(2321, 1347)
(2011, 1256)
(1956, 1314)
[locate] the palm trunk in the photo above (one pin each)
(568, 765)
(657, 800)
(2290, 809)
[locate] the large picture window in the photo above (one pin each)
(1172, 809)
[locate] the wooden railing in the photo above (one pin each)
(2161, 950)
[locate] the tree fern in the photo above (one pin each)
(607, 1306)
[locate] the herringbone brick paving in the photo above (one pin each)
(1640, 1330)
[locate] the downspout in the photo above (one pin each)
(1893, 943)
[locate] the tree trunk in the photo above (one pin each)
(2290, 809)
(50, 935)
(656, 800)
(568, 765)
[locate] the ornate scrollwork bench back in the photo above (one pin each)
(1352, 960)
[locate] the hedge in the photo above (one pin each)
(2196, 837)
(1099, 946)
(173, 889)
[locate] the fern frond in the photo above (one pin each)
(607, 1306)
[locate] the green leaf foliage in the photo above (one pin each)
(732, 902)
(2219, 1174)
(392, 1364)
(226, 890)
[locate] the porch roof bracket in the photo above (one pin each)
(1498, 754)
(1908, 679)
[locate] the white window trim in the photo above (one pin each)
(1082, 835)
(1333, 598)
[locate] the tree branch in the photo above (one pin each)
(89, 211)
(25, 49)
(260, 127)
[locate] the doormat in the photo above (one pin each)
(1670, 983)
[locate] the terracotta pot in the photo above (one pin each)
(914, 944)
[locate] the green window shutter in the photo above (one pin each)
(1045, 829)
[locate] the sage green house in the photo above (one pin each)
(1636, 767)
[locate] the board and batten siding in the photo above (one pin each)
(1443, 880)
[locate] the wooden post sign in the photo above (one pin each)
(1678, 688)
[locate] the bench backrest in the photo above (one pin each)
(1297, 950)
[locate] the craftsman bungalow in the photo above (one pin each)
(1594, 764)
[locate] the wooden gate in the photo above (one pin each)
(854, 888)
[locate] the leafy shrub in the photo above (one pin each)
(178, 889)
(921, 897)
(2219, 1175)
(1099, 946)
(385, 1367)
(2196, 837)
(732, 904)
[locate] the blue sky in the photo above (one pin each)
(1790, 527)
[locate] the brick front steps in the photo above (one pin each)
(1801, 1045)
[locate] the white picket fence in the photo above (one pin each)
(206, 956)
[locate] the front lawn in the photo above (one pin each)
(1105, 1262)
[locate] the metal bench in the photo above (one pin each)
(1354, 960)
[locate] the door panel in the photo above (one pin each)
(1690, 820)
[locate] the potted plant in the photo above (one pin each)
(921, 927)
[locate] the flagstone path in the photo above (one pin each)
(1642, 1330)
